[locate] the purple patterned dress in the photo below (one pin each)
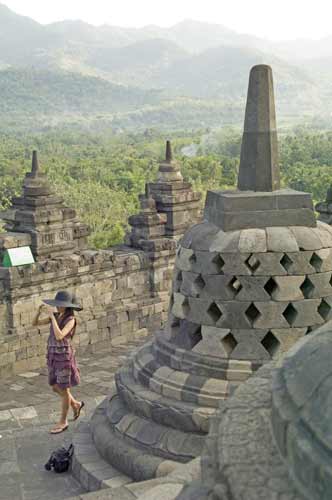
(61, 362)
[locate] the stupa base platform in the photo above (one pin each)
(155, 417)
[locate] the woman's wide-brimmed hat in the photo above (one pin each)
(64, 299)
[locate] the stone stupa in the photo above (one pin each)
(249, 281)
(39, 218)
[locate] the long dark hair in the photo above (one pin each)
(69, 311)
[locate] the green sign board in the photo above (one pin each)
(18, 257)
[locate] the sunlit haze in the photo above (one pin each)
(285, 19)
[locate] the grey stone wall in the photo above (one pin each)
(123, 291)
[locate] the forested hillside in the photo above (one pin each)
(102, 175)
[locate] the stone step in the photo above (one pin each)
(142, 401)
(89, 468)
(233, 370)
(147, 435)
(138, 445)
(179, 385)
(140, 465)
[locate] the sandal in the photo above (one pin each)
(77, 414)
(57, 430)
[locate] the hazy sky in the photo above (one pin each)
(282, 19)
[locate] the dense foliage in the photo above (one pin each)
(102, 175)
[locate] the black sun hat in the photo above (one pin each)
(64, 299)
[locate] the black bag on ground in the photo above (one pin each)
(60, 459)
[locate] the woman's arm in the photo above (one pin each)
(60, 334)
(36, 321)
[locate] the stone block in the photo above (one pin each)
(241, 201)
(179, 308)
(281, 239)
(320, 285)
(232, 221)
(233, 315)
(202, 311)
(299, 263)
(211, 343)
(183, 259)
(325, 255)
(288, 337)
(324, 234)
(216, 287)
(199, 236)
(270, 315)
(206, 263)
(307, 238)
(252, 240)
(235, 264)
(188, 286)
(248, 347)
(14, 240)
(225, 242)
(283, 288)
(241, 210)
(252, 288)
(306, 313)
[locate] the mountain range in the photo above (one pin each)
(73, 67)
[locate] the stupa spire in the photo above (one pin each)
(259, 169)
(35, 164)
(169, 169)
(169, 155)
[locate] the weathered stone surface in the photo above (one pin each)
(259, 169)
(240, 458)
(281, 239)
(301, 413)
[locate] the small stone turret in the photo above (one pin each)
(39, 218)
(174, 197)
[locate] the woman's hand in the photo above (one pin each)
(42, 309)
(47, 310)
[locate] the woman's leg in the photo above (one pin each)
(66, 399)
(73, 402)
(65, 403)
(56, 389)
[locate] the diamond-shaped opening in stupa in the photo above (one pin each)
(199, 283)
(195, 336)
(219, 263)
(214, 312)
(252, 263)
(178, 281)
(309, 330)
(185, 307)
(270, 286)
(252, 313)
(316, 262)
(286, 262)
(290, 314)
(229, 343)
(235, 285)
(307, 288)
(271, 344)
(193, 259)
(324, 309)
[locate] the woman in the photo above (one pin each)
(63, 372)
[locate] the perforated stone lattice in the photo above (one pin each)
(266, 299)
